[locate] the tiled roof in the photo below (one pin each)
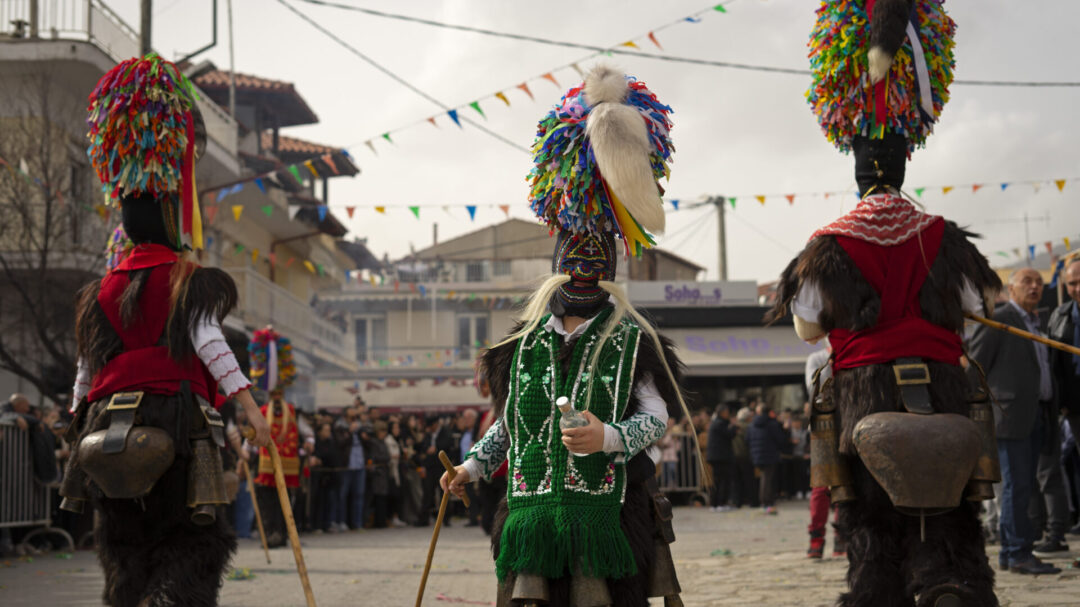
(220, 79)
(291, 145)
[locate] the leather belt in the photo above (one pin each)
(913, 377)
(121, 408)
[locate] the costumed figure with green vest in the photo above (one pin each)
(583, 524)
(152, 356)
(902, 440)
(273, 370)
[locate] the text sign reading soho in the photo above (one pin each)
(692, 294)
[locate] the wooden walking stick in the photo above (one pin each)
(255, 505)
(451, 473)
(290, 522)
(1020, 333)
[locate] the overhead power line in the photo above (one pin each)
(396, 77)
(642, 54)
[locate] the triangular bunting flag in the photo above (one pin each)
(237, 209)
(1060, 184)
(1016, 252)
(719, 8)
(295, 171)
(273, 259)
(268, 209)
(1067, 246)
(453, 116)
(254, 255)
(1031, 251)
(293, 210)
(371, 146)
(760, 199)
(548, 76)
(386, 136)
(502, 97)
(471, 208)
(525, 87)
(380, 210)
(476, 106)
(222, 193)
(290, 262)
(272, 178)
(919, 191)
(652, 37)
(975, 187)
(692, 20)
(311, 167)
(1003, 186)
(946, 189)
(349, 211)
(321, 210)
(239, 249)
(675, 203)
(211, 212)
(415, 211)
(505, 209)
(309, 266)
(732, 201)
(1003, 254)
(422, 289)
(259, 184)
(629, 44)
(374, 283)
(431, 120)
(790, 198)
(1049, 246)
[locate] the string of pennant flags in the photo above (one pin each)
(503, 95)
(675, 203)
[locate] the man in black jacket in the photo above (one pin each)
(767, 440)
(1065, 327)
(721, 457)
(1018, 372)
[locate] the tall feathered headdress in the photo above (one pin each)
(880, 67)
(272, 365)
(599, 156)
(143, 132)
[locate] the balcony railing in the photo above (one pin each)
(265, 303)
(94, 22)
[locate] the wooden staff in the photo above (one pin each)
(286, 510)
(255, 505)
(450, 473)
(1020, 333)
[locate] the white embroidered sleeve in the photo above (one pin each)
(82, 384)
(807, 304)
(213, 351)
(641, 429)
(488, 453)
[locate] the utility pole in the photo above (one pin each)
(232, 70)
(719, 201)
(145, 14)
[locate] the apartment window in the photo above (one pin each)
(472, 335)
(502, 267)
(476, 271)
(370, 338)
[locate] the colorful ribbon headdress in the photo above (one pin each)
(117, 248)
(142, 140)
(272, 365)
(599, 156)
(880, 66)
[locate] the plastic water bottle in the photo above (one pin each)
(571, 417)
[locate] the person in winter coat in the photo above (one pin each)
(721, 457)
(767, 440)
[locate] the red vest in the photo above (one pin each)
(897, 273)
(144, 364)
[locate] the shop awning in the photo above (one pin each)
(731, 351)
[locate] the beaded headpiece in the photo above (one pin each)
(272, 365)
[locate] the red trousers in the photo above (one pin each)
(819, 509)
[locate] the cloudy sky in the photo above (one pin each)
(737, 133)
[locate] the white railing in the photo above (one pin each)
(264, 303)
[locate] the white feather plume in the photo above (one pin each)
(879, 62)
(620, 143)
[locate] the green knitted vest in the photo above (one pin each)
(564, 509)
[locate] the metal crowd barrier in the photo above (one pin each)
(24, 502)
(687, 478)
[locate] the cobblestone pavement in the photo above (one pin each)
(735, 558)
